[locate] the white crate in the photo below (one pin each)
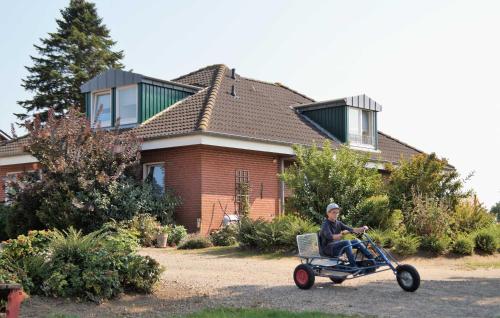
(308, 245)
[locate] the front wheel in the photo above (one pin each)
(408, 277)
(303, 276)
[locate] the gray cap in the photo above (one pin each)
(332, 206)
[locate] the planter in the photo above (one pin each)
(161, 240)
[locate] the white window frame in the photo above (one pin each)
(117, 111)
(145, 171)
(371, 122)
(93, 110)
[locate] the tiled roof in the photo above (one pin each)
(260, 111)
(13, 147)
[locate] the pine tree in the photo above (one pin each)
(80, 49)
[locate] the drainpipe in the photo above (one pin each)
(282, 188)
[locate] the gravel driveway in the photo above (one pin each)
(223, 277)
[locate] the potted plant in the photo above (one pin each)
(162, 236)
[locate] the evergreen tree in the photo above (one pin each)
(80, 49)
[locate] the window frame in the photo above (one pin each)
(371, 127)
(145, 172)
(117, 103)
(241, 176)
(93, 110)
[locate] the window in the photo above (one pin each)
(361, 126)
(155, 173)
(9, 191)
(101, 109)
(242, 191)
(126, 101)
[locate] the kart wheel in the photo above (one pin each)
(337, 280)
(303, 276)
(408, 277)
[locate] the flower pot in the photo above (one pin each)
(161, 240)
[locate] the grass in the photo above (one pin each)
(475, 264)
(260, 313)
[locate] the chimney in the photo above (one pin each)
(233, 90)
(233, 73)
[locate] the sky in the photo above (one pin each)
(433, 65)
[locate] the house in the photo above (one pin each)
(211, 131)
(4, 136)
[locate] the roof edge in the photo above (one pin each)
(207, 111)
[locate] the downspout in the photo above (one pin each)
(282, 187)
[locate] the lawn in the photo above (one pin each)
(260, 313)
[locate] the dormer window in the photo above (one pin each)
(126, 104)
(361, 127)
(101, 108)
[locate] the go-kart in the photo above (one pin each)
(338, 268)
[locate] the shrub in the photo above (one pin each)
(34, 243)
(486, 241)
(374, 212)
(176, 234)
(406, 244)
(277, 235)
(322, 175)
(71, 264)
(4, 211)
(146, 226)
(469, 217)
(378, 237)
(195, 242)
(463, 245)
(225, 236)
(429, 216)
(436, 244)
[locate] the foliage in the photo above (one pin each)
(176, 234)
(376, 213)
(261, 313)
(80, 169)
(406, 244)
(486, 241)
(495, 210)
(80, 49)
(276, 235)
(71, 264)
(463, 245)
(225, 236)
(4, 214)
(243, 189)
(321, 176)
(436, 244)
(146, 226)
(424, 175)
(195, 242)
(469, 217)
(428, 216)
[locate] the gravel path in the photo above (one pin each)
(222, 277)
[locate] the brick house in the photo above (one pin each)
(210, 131)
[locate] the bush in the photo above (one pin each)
(176, 234)
(225, 236)
(486, 241)
(429, 216)
(195, 242)
(406, 244)
(277, 235)
(464, 245)
(70, 264)
(4, 211)
(374, 212)
(436, 244)
(469, 217)
(146, 226)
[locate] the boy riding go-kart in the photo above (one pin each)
(321, 255)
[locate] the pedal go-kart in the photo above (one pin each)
(338, 269)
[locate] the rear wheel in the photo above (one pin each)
(408, 277)
(337, 280)
(303, 276)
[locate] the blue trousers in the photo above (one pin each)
(334, 248)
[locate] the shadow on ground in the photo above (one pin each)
(459, 297)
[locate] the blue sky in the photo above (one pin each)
(433, 65)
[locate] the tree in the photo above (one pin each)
(496, 210)
(321, 176)
(427, 176)
(80, 49)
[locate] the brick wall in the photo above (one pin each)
(219, 166)
(183, 175)
(203, 176)
(4, 170)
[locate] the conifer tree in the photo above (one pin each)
(80, 49)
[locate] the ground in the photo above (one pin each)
(225, 277)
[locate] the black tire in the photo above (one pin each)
(337, 280)
(408, 277)
(303, 276)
